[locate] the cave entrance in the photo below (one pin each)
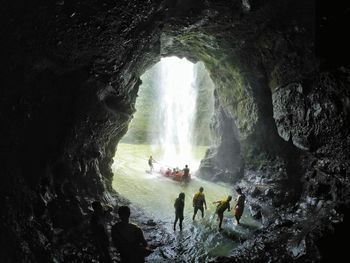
(174, 109)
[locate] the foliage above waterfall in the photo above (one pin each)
(235, 95)
(205, 106)
(144, 125)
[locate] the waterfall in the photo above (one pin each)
(177, 99)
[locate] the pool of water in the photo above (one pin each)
(200, 240)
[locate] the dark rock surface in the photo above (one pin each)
(69, 80)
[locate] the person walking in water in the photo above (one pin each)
(186, 174)
(239, 207)
(150, 163)
(198, 202)
(222, 206)
(179, 210)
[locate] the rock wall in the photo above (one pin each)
(70, 76)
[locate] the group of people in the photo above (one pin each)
(179, 175)
(199, 203)
(128, 238)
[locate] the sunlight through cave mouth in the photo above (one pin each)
(174, 110)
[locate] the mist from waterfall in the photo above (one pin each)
(177, 98)
(174, 108)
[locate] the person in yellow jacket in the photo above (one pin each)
(222, 206)
(198, 202)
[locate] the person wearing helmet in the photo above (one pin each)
(179, 210)
(198, 202)
(222, 206)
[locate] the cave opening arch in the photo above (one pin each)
(225, 170)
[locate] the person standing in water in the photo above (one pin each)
(239, 207)
(198, 202)
(186, 174)
(150, 163)
(222, 206)
(179, 210)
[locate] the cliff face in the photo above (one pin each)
(70, 77)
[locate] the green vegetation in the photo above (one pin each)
(235, 97)
(234, 92)
(205, 106)
(144, 125)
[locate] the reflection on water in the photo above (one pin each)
(156, 194)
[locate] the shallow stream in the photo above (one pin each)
(200, 240)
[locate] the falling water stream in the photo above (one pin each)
(178, 104)
(200, 240)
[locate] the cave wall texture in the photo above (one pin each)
(69, 80)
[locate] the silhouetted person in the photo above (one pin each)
(198, 202)
(239, 208)
(100, 236)
(221, 208)
(186, 174)
(128, 238)
(150, 163)
(65, 210)
(179, 210)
